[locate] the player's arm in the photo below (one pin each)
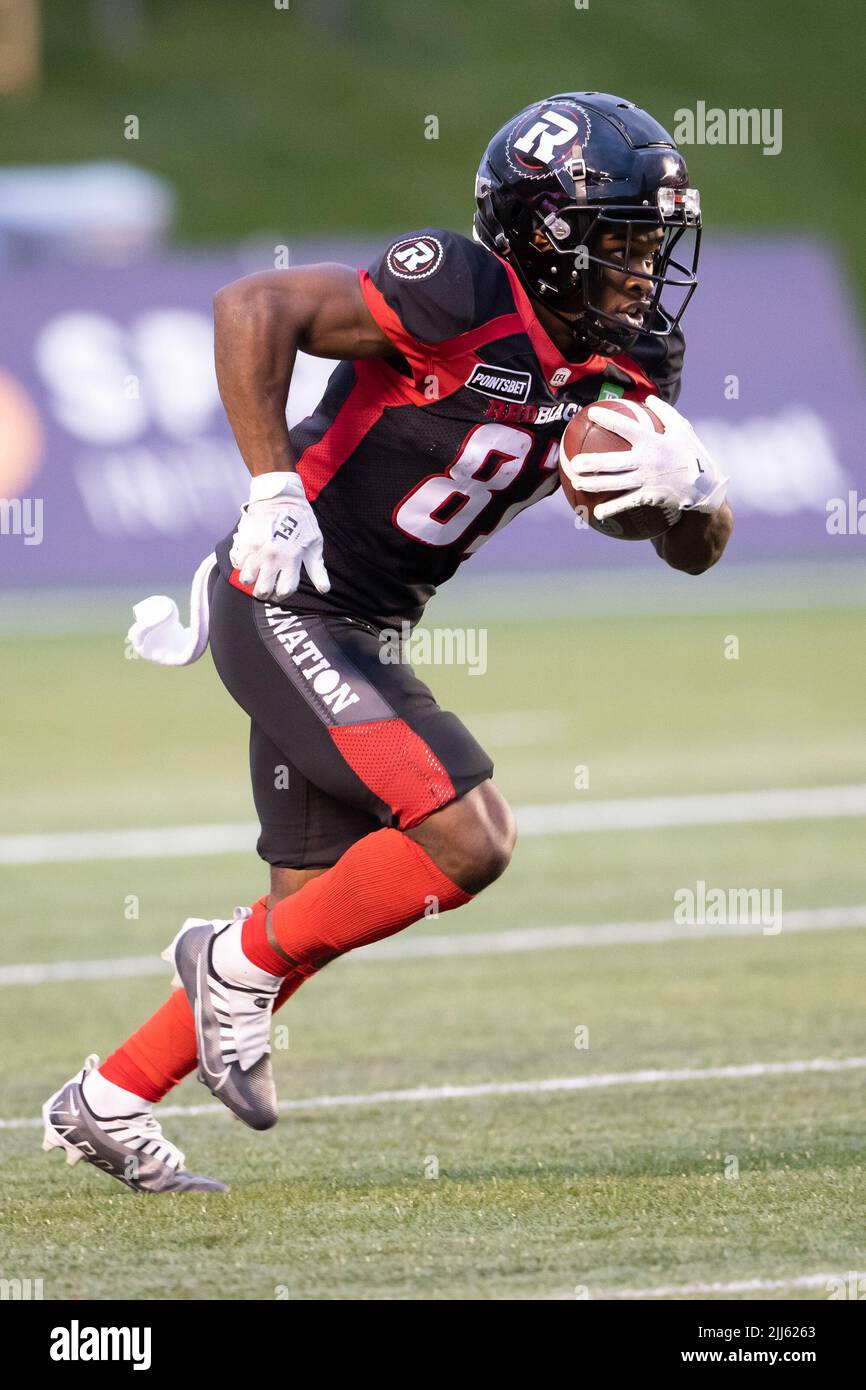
(260, 322)
(665, 466)
(697, 540)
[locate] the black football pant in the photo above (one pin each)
(341, 743)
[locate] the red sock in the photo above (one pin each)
(380, 885)
(159, 1054)
(163, 1050)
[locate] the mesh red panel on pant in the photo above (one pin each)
(397, 766)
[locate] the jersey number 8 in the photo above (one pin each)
(442, 508)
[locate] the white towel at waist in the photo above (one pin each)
(158, 634)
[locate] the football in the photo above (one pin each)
(583, 437)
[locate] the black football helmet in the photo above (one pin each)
(560, 174)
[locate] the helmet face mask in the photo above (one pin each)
(583, 273)
(605, 232)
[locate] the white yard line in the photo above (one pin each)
(723, 808)
(554, 818)
(163, 842)
(423, 946)
(800, 1281)
(592, 1082)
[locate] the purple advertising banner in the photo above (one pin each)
(117, 465)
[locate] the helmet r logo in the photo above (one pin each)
(546, 137)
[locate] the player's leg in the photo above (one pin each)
(371, 736)
(126, 1142)
(423, 769)
(295, 820)
(304, 829)
(104, 1114)
(471, 839)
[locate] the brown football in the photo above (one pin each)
(583, 437)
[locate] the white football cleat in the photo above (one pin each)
(131, 1148)
(232, 1023)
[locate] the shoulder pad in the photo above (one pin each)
(440, 284)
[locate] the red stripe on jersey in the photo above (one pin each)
(474, 338)
(455, 357)
(388, 320)
(376, 387)
(398, 767)
(426, 358)
(551, 358)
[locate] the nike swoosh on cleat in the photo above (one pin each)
(221, 1076)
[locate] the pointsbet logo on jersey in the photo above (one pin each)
(415, 258)
(506, 383)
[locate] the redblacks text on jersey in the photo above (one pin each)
(412, 462)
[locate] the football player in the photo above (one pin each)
(460, 363)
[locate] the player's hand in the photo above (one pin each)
(670, 470)
(278, 532)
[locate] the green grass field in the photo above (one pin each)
(538, 1193)
(311, 118)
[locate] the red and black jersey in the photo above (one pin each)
(412, 462)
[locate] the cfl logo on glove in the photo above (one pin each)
(277, 534)
(285, 528)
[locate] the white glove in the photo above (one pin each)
(277, 533)
(672, 471)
